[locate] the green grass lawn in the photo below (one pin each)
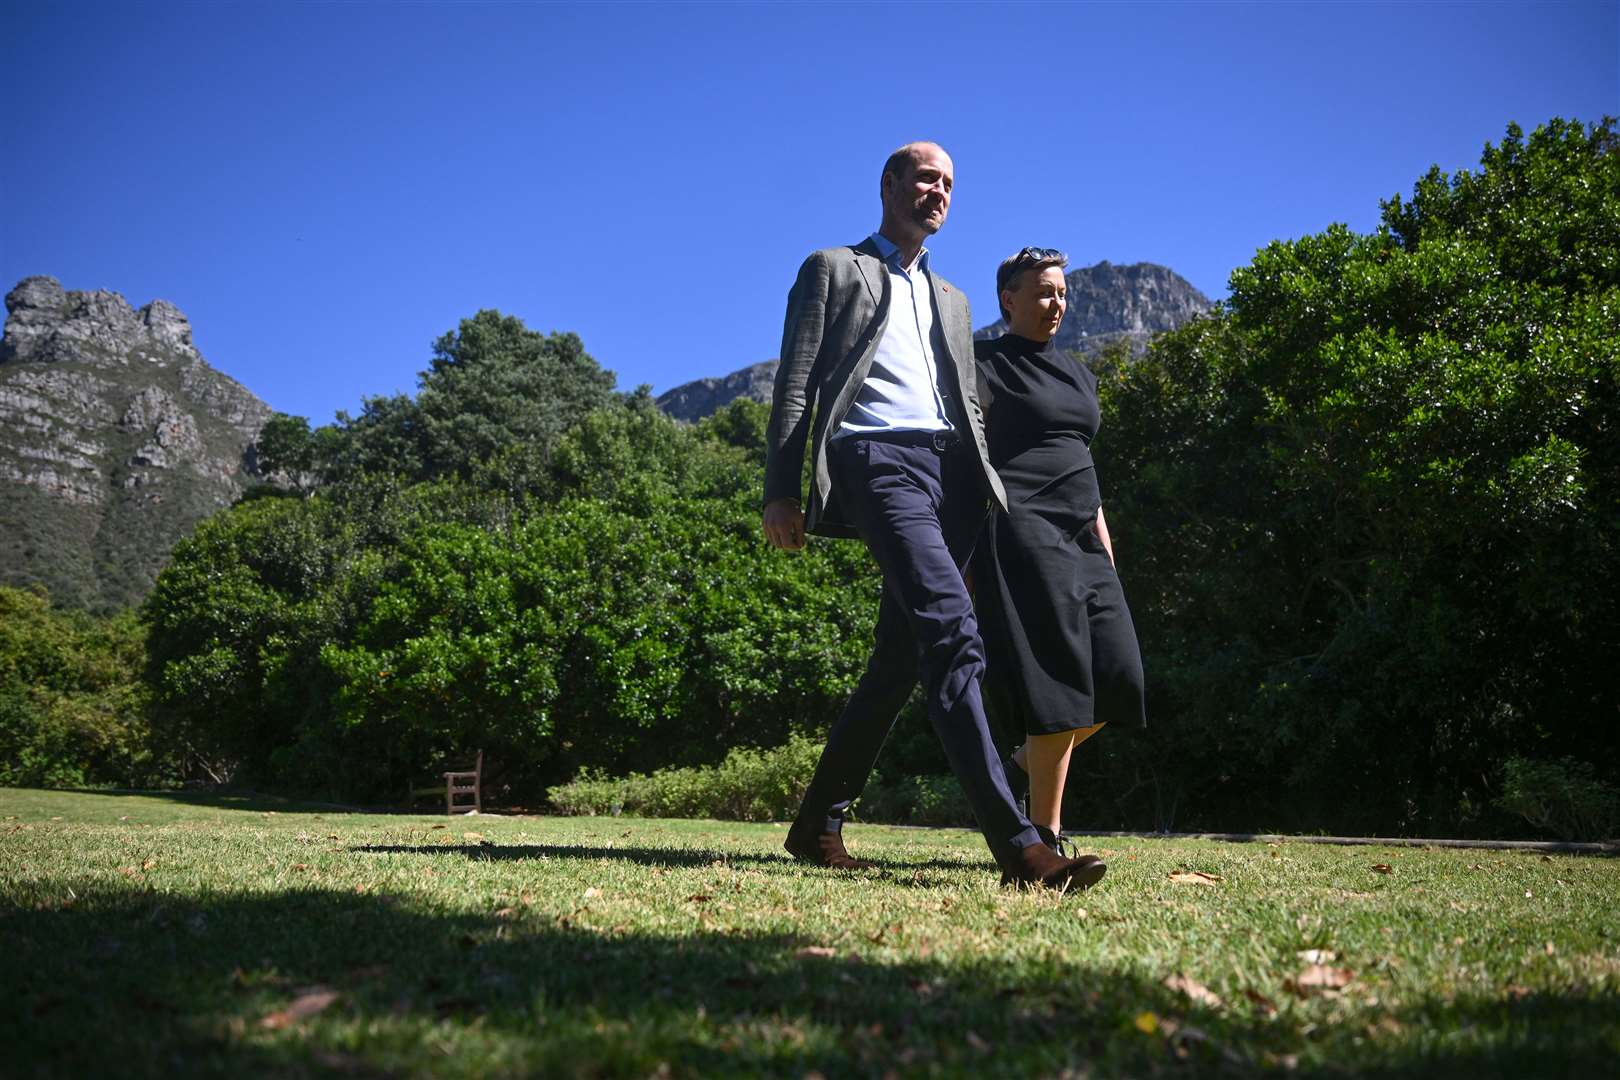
(146, 935)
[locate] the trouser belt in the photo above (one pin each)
(937, 440)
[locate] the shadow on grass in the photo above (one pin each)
(239, 800)
(145, 984)
(668, 857)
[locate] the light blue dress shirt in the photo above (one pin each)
(901, 392)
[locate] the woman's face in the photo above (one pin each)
(1035, 303)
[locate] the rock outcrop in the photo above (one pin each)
(116, 438)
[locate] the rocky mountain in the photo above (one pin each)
(116, 438)
(1107, 303)
(695, 400)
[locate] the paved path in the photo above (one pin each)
(1606, 848)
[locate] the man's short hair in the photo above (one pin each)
(1013, 266)
(901, 158)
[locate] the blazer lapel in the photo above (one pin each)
(871, 267)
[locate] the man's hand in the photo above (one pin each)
(784, 524)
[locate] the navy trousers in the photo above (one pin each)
(919, 510)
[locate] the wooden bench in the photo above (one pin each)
(457, 787)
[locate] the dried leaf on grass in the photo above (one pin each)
(815, 950)
(1193, 877)
(1383, 868)
(1319, 979)
(306, 1004)
(1195, 991)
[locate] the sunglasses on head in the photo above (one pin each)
(1026, 258)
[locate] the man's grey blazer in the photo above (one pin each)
(836, 313)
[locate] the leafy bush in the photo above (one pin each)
(73, 711)
(749, 785)
(757, 785)
(916, 800)
(1563, 797)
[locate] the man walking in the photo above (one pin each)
(877, 373)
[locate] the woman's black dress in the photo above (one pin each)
(1060, 647)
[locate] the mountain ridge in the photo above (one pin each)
(116, 438)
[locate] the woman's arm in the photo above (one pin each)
(1102, 534)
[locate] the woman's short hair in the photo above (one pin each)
(1030, 258)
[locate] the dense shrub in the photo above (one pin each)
(73, 711)
(928, 799)
(1563, 797)
(748, 785)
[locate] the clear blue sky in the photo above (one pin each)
(325, 188)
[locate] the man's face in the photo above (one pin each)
(922, 195)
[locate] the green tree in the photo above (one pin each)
(629, 616)
(494, 382)
(494, 398)
(1368, 509)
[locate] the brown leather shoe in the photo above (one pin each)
(1040, 865)
(822, 849)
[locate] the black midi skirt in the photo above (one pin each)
(1060, 648)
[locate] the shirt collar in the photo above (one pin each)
(889, 252)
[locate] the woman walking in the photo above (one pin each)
(1062, 658)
